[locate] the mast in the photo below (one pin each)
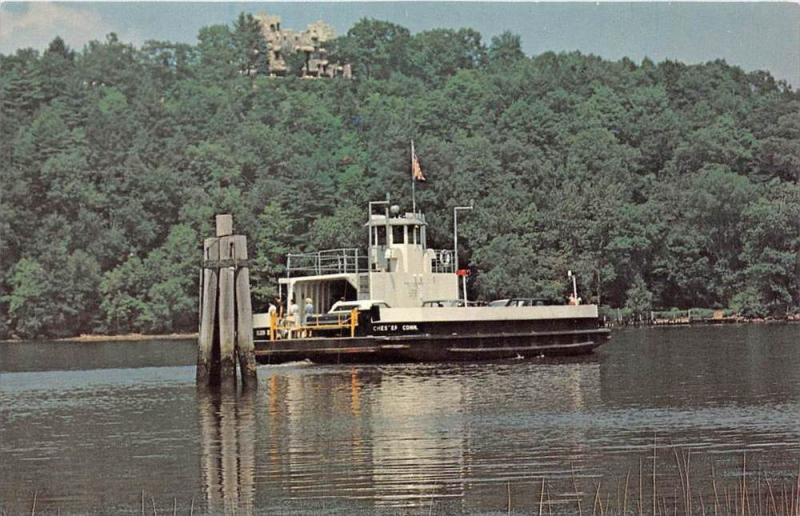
(413, 181)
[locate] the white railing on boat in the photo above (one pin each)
(329, 261)
(350, 261)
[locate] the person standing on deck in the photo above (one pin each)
(309, 310)
(294, 312)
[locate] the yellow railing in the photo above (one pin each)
(285, 328)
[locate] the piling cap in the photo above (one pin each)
(224, 225)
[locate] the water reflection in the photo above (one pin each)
(228, 438)
(427, 438)
(419, 436)
(401, 435)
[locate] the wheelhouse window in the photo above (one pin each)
(380, 235)
(397, 234)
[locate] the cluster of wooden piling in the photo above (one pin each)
(226, 313)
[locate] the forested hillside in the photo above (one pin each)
(663, 185)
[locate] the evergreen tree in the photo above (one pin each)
(658, 184)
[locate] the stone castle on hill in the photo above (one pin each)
(284, 43)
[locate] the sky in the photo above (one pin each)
(755, 36)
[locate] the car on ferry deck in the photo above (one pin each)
(342, 309)
(442, 303)
(524, 301)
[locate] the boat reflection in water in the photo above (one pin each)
(392, 436)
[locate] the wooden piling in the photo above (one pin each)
(227, 313)
(208, 310)
(244, 315)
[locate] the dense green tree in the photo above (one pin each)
(508, 268)
(343, 229)
(123, 290)
(29, 302)
(111, 64)
(639, 300)
(172, 298)
(748, 303)
(505, 49)
(22, 91)
(76, 281)
(251, 46)
(296, 62)
(649, 124)
(437, 54)
(218, 54)
(169, 61)
(376, 48)
(657, 184)
(771, 249)
(57, 67)
(779, 152)
(273, 238)
(56, 299)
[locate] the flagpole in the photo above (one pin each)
(413, 181)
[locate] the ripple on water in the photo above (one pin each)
(361, 438)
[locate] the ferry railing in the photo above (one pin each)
(286, 328)
(329, 261)
(443, 261)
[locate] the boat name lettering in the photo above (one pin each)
(395, 327)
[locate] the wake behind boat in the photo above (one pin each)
(399, 301)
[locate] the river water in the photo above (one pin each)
(112, 427)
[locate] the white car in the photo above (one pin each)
(499, 302)
(341, 307)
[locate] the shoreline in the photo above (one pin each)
(663, 323)
(128, 337)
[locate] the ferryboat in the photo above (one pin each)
(400, 301)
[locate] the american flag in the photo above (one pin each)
(416, 169)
